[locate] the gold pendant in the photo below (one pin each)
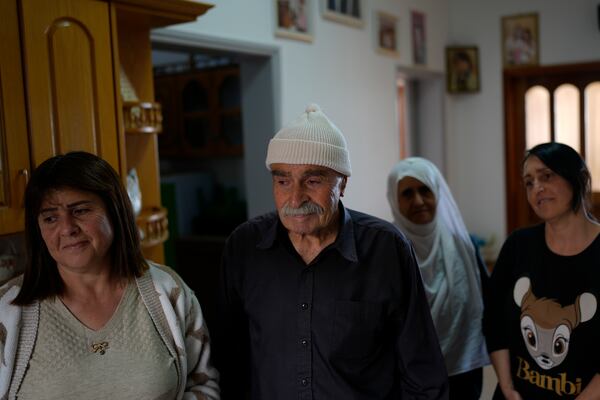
(99, 347)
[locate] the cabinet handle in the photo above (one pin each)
(25, 173)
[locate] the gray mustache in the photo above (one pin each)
(306, 208)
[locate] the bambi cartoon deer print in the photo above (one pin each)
(546, 326)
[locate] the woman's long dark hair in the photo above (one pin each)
(89, 173)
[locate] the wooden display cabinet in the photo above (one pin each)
(202, 113)
(73, 52)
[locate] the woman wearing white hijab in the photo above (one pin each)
(425, 211)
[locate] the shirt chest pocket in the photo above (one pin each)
(357, 329)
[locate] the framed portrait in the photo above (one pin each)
(293, 19)
(520, 40)
(349, 12)
(462, 69)
(417, 23)
(387, 41)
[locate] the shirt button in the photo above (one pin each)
(304, 306)
(304, 342)
(304, 381)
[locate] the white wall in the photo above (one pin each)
(355, 85)
(341, 71)
(568, 34)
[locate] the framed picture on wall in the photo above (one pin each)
(347, 12)
(462, 69)
(419, 46)
(520, 40)
(293, 19)
(387, 41)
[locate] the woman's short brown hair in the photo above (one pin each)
(87, 172)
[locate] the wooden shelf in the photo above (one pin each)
(142, 117)
(153, 225)
(164, 12)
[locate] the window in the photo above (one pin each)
(537, 116)
(567, 121)
(566, 116)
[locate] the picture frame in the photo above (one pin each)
(386, 33)
(520, 40)
(419, 37)
(348, 12)
(293, 19)
(462, 69)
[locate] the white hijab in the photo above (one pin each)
(448, 266)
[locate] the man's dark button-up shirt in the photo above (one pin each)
(353, 324)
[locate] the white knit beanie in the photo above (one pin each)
(310, 139)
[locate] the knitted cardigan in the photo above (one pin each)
(173, 308)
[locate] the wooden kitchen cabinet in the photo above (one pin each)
(68, 66)
(66, 94)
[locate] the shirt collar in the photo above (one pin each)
(344, 243)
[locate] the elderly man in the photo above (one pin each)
(319, 301)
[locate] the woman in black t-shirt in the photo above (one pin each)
(541, 320)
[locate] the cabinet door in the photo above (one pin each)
(68, 69)
(14, 151)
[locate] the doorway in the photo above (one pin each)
(420, 100)
(219, 111)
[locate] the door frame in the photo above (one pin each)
(260, 76)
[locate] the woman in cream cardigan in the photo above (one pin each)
(90, 318)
